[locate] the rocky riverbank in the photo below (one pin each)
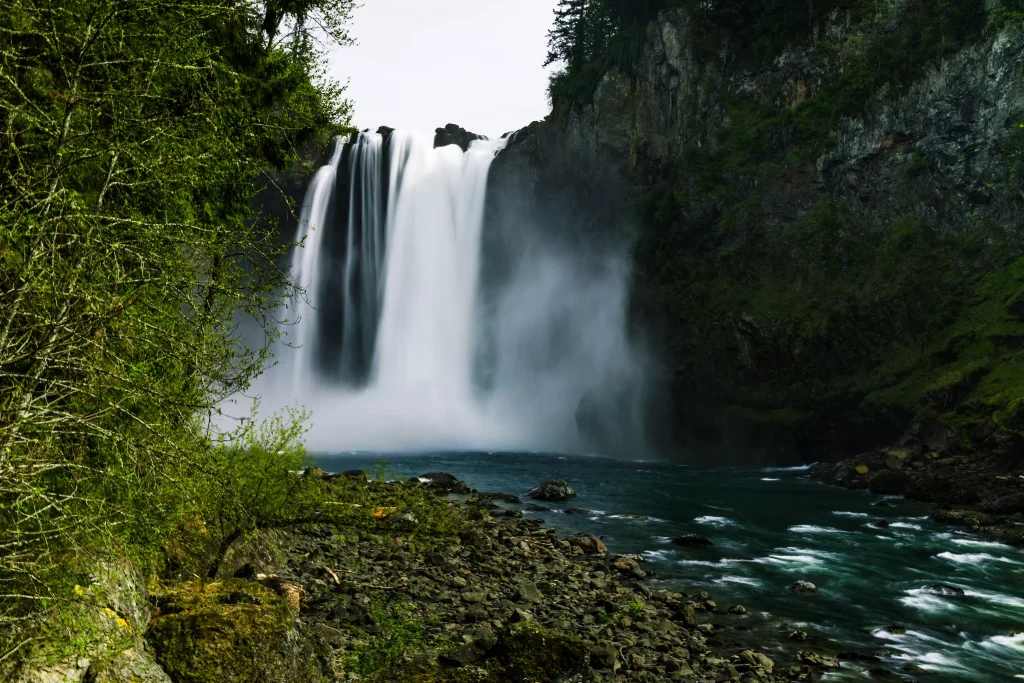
(981, 493)
(428, 581)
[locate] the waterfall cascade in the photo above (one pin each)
(396, 348)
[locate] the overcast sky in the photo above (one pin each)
(424, 63)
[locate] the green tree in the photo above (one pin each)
(131, 137)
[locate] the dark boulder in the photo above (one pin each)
(692, 541)
(888, 482)
(442, 482)
(455, 135)
(803, 587)
(553, 490)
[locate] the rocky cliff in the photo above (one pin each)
(825, 239)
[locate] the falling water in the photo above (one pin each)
(387, 350)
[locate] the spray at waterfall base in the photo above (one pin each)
(398, 346)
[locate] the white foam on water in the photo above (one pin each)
(919, 599)
(799, 468)
(997, 598)
(743, 580)
(905, 525)
(812, 529)
(974, 558)
(975, 543)
(1014, 642)
(663, 540)
(656, 555)
(769, 479)
(844, 513)
(715, 521)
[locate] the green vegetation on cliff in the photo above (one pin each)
(132, 138)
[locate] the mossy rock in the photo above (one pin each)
(233, 631)
(526, 653)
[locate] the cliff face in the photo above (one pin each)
(825, 243)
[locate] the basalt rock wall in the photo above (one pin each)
(825, 243)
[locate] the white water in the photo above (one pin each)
(397, 348)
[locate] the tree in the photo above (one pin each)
(131, 135)
(567, 38)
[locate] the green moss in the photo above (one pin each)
(232, 632)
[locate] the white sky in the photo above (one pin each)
(421, 64)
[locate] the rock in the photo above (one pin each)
(800, 587)
(289, 591)
(738, 609)
(896, 629)
(757, 660)
(528, 652)
(692, 541)
(520, 615)
(554, 490)
(942, 589)
(442, 482)
(1003, 502)
(855, 657)
(881, 524)
(503, 497)
(604, 655)
(474, 596)
(817, 661)
(354, 474)
(109, 616)
(529, 593)
(452, 134)
(589, 545)
(233, 631)
(533, 507)
(798, 636)
(887, 482)
(475, 613)
(128, 666)
(628, 565)
(578, 511)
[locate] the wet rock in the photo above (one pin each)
(738, 609)
(453, 134)
(1003, 502)
(604, 655)
(849, 656)
(589, 545)
(798, 636)
(803, 587)
(533, 507)
(881, 524)
(751, 659)
(443, 482)
(553, 490)
(887, 482)
(692, 541)
(817, 661)
(578, 512)
(896, 629)
(942, 589)
(503, 497)
(628, 565)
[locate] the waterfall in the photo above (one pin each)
(397, 348)
(395, 313)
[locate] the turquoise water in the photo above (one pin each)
(771, 528)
